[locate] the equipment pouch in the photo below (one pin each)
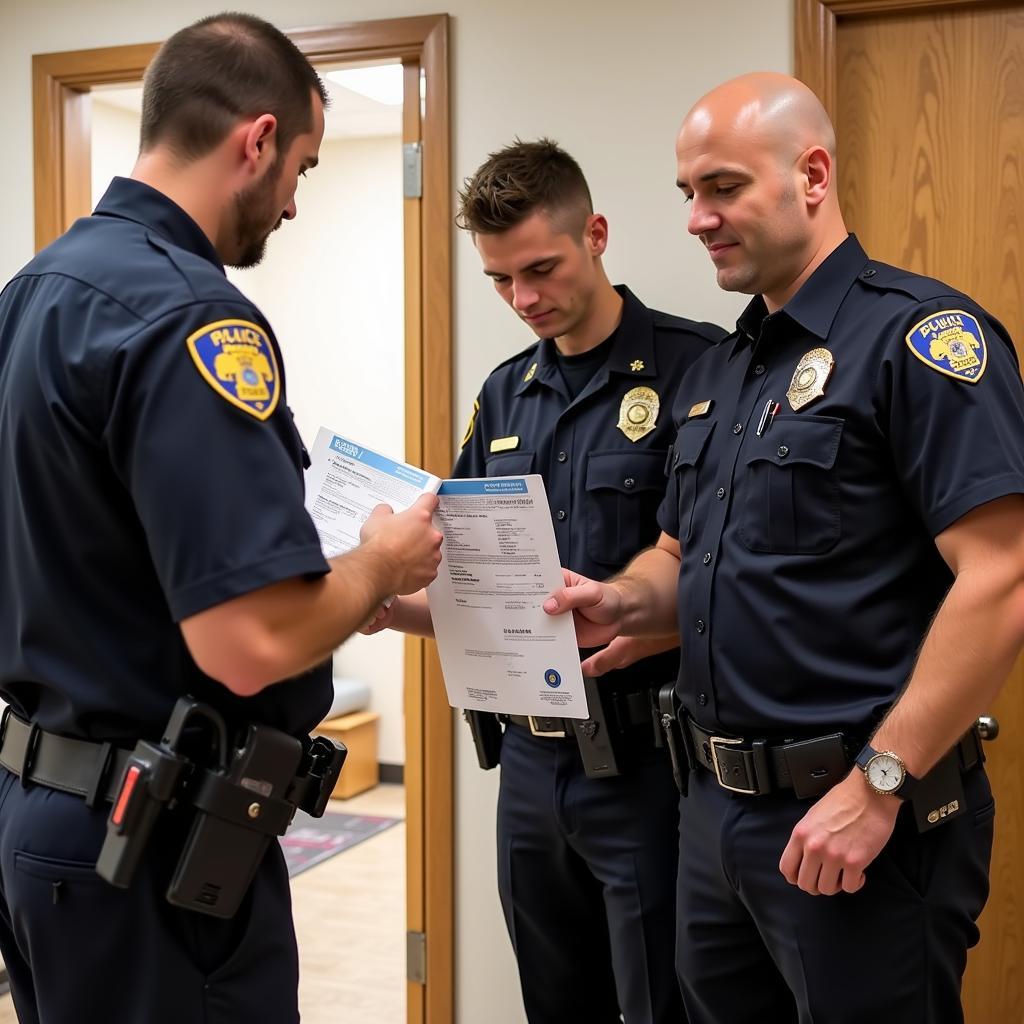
(486, 732)
(939, 796)
(676, 737)
(238, 811)
(596, 740)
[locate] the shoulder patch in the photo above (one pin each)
(236, 359)
(951, 342)
(471, 425)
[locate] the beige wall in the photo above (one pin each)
(610, 81)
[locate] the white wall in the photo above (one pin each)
(331, 285)
(115, 145)
(345, 349)
(611, 82)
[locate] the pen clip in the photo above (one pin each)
(764, 417)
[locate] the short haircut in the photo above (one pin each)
(223, 68)
(523, 179)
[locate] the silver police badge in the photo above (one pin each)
(638, 412)
(810, 377)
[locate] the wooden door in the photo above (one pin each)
(928, 102)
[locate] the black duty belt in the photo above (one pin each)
(81, 767)
(808, 767)
(631, 709)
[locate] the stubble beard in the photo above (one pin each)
(255, 209)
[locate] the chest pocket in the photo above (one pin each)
(689, 447)
(624, 489)
(792, 504)
(510, 464)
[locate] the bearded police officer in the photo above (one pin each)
(156, 545)
(586, 862)
(843, 551)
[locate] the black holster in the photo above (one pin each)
(596, 736)
(677, 737)
(485, 728)
(241, 798)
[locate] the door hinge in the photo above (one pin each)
(412, 170)
(416, 957)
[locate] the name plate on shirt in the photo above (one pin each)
(504, 444)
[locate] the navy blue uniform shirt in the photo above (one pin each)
(603, 487)
(143, 476)
(809, 568)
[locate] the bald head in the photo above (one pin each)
(765, 107)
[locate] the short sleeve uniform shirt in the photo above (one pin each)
(149, 469)
(602, 455)
(809, 569)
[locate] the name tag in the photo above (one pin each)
(504, 444)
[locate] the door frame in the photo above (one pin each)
(62, 170)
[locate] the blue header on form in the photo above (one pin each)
(379, 462)
(497, 485)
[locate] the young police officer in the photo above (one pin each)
(843, 550)
(156, 545)
(586, 866)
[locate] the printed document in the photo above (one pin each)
(345, 481)
(500, 651)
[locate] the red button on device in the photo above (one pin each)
(130, 778)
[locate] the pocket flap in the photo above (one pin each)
(690, 443)
(810, 441)
(627, 471)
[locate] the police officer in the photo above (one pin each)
(156, 544)
(586, 866)
(843, 550)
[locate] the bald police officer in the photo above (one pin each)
(156, 543)
(843, 552)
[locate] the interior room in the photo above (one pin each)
(610, 83)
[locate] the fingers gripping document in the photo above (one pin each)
(499, 650)
(345, 481)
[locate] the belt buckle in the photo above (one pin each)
(715, 742)
(558, 734)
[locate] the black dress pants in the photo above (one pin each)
(79, 950)
(586, 873)
(754, 949)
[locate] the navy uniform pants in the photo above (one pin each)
(752, 948)
(586, 872)
(79, 950)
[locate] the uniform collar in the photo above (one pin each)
(632, 351)
(815, 305)
(133, 200)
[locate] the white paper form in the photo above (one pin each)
(500, 651)
(346, 480)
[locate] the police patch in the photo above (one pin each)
(951, 342)
(236, 359)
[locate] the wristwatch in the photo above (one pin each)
(885, 772)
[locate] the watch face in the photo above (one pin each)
(885, 772)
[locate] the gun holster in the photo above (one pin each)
(677, 737)
(596, 740)
(241, 796)
(486, 731)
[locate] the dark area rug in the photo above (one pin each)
(311, 841)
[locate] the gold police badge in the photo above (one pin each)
(810, 377)
(638, 412)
